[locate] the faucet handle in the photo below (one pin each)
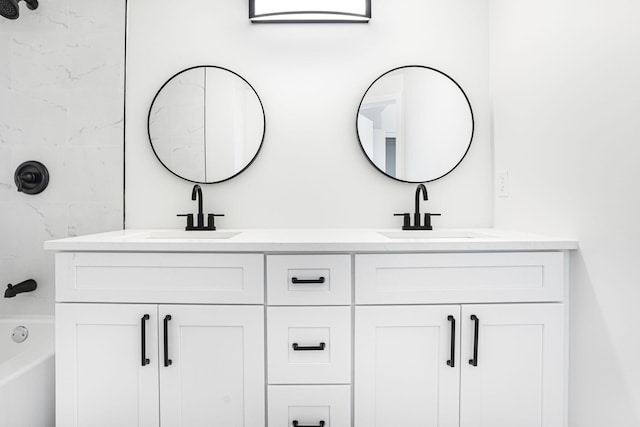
(211, 225)
(406, 223)
(189, 221)
(427, 221)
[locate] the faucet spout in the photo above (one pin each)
(416, 215)
(196, 193)
(26, 286)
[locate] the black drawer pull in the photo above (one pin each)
(295, 424)
(451, 362)
(167, 361)
(297, 347)
(296, 281)
(474, 361)
(143, 339)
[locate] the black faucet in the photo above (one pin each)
(416, 215)
(196, 194)
(26, 286)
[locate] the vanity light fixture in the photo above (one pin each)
(285, 11)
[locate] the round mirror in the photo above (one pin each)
(206, 124)
(415, 124)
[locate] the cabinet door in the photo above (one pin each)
(519, 377)
(100, 376)
(405, 373)
(215, 373)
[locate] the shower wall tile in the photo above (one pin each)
(30, 222)
(89, 218)
(5, 49)
(38, 61)
(5, 53)
(94, 179)
(6, 176)
(99, 126)
(37, 117)
(61, 103)
(105, 16)
(96, 61)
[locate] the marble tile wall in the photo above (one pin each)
(61, 103)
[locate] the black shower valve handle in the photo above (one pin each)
(31, 177)
(28, 178)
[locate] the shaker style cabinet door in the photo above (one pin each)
(106, 365)
(407, 366)
(211, 366)
(513, 366)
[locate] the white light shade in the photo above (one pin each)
(309, 10)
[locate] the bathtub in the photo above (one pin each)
(27, 373)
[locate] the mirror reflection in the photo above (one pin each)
(415, 124)
(206, 124)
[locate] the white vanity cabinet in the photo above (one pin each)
(160, 364)
(517, 375)
(322, 328)
(309, 340)
(100, 379)
(404, 370)
(450, 364)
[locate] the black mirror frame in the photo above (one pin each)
(470, 110)
(264, 121)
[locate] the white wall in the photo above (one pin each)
(566, 107)
(61, 103)
(311, 171)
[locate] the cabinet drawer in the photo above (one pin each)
(309, 279)
(160, 278)
(309, 345)
(459, 278)
(309, 405)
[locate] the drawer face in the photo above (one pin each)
(309, 405)
(160, 278)
(459, 278)
(309, 279)
(309, 345)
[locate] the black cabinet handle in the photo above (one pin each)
(295, 424)
(143, 339)
(452, 360)
(297, 347)
(474, 361)
(295, 280)
(167, 361)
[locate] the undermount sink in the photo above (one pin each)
(191, 234)
(434, 234)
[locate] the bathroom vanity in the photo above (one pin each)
(330, 328)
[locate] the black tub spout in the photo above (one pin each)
(26, 286)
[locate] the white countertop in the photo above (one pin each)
(311, 240)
